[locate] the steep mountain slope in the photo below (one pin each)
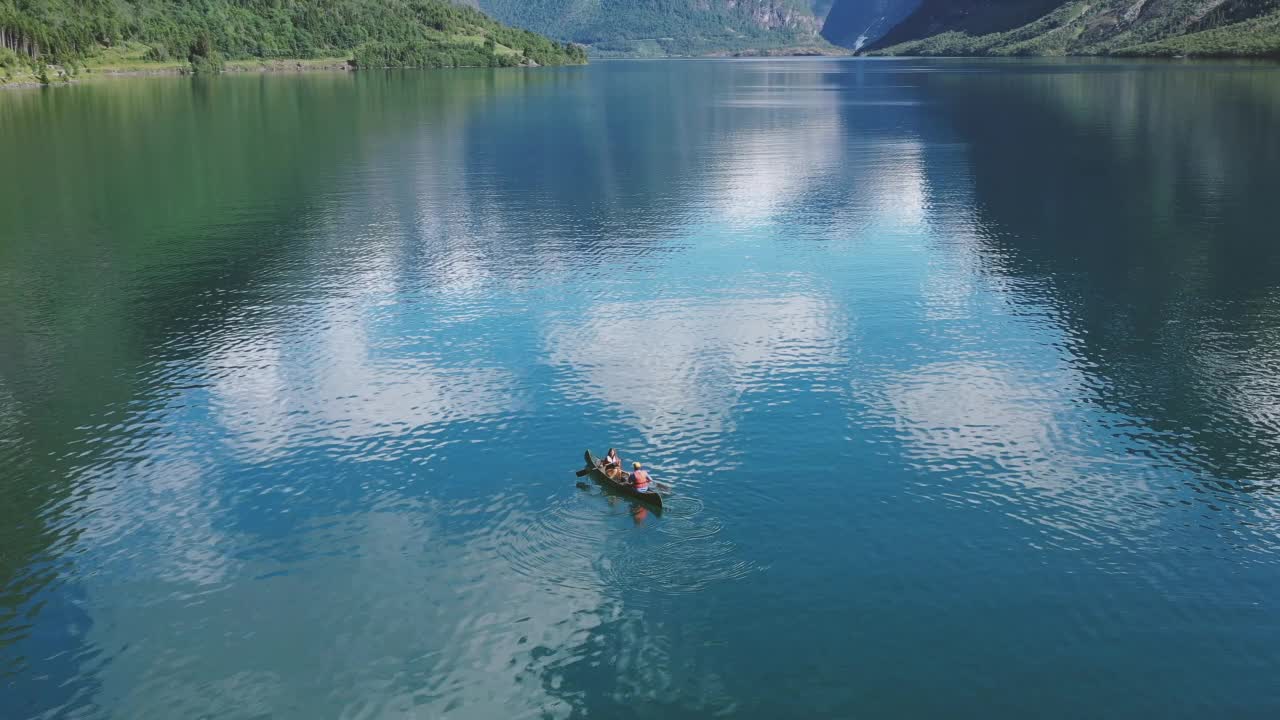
(668, 27)
(974, 17)
(1257, 37)
(1086, 27)
(855, 23)
(919, 27)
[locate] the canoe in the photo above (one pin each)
(596, 468)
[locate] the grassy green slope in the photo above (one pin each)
(1124, 27)
(425, 33)
(1259, 37)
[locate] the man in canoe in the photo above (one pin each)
(640, 478)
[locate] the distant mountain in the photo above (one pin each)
(1083, 27)
(856, 23)
(973, 17)
(918, 27)
(669, 27)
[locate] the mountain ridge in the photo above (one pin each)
(1209, 28)
(901, 27)
(669, 27)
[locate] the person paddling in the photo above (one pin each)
(612, 464)
(639, 478)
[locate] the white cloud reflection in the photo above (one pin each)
(679, 367)
(762, 171)
(379, 614)
(977, 411)
(271, 400)
(332, 373)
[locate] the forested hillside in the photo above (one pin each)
(668, 27)
(418, 33)
(202, 34)
(1086, 27)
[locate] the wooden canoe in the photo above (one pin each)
(596, 467)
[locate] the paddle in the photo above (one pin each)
(584, 471)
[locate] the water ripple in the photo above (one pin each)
(578, 543)
(977, 357)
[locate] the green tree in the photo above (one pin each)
(206, 31)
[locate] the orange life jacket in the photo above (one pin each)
(641, 479)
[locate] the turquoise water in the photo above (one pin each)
(966, 376)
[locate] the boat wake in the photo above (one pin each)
(690, 559)
(594, 540)
(560, 545)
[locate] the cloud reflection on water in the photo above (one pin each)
(273, 404)
(232, 559)
(429, 616)
(678, 368)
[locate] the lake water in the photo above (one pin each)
(966, 376)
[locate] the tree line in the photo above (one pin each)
(54, 31)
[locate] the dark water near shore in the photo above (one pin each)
(967, 375)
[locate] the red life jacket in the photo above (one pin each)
(641, 479)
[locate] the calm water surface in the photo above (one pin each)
(967, 375)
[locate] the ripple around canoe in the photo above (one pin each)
(593, 540)
(679, 567)
(559, 544)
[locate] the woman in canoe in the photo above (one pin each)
(612, 464)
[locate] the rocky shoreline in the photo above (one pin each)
(58, 75)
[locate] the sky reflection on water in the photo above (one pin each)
(964, 373)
